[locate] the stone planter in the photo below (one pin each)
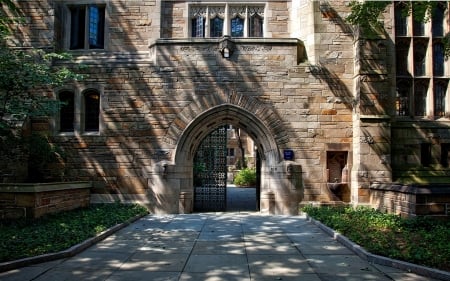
(32, 200)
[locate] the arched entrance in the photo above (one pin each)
(226, 152)
(273, 168)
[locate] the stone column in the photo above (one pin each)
(284, 181)
(371, 118)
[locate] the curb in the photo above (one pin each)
(362, 253)
(70, 252)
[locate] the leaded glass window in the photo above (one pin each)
(237, 27)
(216, 27)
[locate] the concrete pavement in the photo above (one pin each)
(214, 246)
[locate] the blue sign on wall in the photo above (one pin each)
(288, 154)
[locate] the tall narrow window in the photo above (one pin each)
(96, 27)
(216, 27)
(438, 59)
(87, 27)
(403, 98)
(420, 98)
(256, 26)
(401, 26)
(77, 27)
(66, 112)
(198, 27)
(418, 27)
(402, 50)
(440, 89)
(437, 22)
(419, 58)
(237, 27)
(92, 111)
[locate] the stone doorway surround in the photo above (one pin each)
(172, 189)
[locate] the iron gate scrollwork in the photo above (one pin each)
(210, 172)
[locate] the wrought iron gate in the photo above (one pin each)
(210, 172)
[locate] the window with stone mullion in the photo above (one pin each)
(439, 95)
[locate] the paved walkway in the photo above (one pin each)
(220, 246)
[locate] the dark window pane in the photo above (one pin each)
(77, 27)
(256, 26)
(402, 49)
(420, 98)
(198, 27)
(403, 98)
(419, 28)
(438, 59)
(96, 27)
(92, 111)
(237, 27)
(67, 111)
(438, 21)
(425, 154)
(439, 99)
(401, 26)
(445, 156)
(419, 59)
(216, 27)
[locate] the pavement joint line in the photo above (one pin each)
(70, 252)
(381, 260)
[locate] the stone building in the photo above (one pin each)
(335, 116)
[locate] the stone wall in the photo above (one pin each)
(36, 200)
(411, 200)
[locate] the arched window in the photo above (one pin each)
(66, 112)
(256, 26)
(438, 59)
(216, 27)
(237, 27)
(420, 99)
(440, 89)
(403, 98)
(91, 111)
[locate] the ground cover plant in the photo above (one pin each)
(52, 233)
(423, 241)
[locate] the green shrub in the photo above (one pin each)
(57, 232)
(419, 240)
(245, 177)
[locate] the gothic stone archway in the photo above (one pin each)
(260, 123)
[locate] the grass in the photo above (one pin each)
(52, 233)
(423, 241)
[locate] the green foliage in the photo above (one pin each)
(53, 233)
(366, 15)
(43, 153)
(245, 177)
(26, 74)
(23, 73)
(418, 240)
(15, 16)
